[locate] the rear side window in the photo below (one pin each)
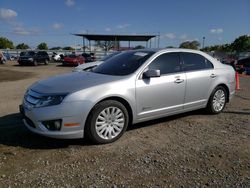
(192, 62)
(167, 63)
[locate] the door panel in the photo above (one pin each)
(161, 95)
(199, 74)
(197, 88)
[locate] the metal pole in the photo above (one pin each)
(89, 46)
(203, 42)
(83, 43)
(158, 39)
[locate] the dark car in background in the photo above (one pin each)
(243, 65)
(33, 58)
(89, 57)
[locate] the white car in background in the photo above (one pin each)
(57, 56)
(89, 66)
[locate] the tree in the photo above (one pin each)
(22, 46)
(107, 45)
(68, 48)
(190, 45)
(139, 47)
(241, 44)
(56, 48)
(6, 43)
(42, 46)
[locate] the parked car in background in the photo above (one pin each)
(9, 56)
(89, 66)
(33, 58)
(73, 59)
(132, 87)
(89, 57)
(3, 59)
(57, 56)
(243, 65)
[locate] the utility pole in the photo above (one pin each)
(203, 42)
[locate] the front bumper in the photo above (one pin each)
(34, 117)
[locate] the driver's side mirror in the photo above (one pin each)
(151, 73)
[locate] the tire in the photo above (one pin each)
(35, 63)
(217, 100)
(110, 127)
(46, 62)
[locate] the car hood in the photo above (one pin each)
(87, 65)
(71, 82)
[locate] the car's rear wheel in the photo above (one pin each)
(35, 63)
(46, 62)
(107, 122)
(217, 100)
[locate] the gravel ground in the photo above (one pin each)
(188, 150)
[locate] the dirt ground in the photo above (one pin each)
(188, 150)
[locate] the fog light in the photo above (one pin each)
(53, 125)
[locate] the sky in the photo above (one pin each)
(53, 21)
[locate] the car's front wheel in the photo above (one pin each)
(107, 122)
(217, 100)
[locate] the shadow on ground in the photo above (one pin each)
(14, 133)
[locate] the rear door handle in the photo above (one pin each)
(213, 75)
(178, 81)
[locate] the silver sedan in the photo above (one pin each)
(131, 87)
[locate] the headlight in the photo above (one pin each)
(50, 100)
(30, 59)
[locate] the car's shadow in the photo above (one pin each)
(14, 133)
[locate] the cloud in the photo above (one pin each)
(170, 36)
(183, 37)
(25, 32)
(20, 31)
(70, 3)
(216, 31)
(122, 26)
(7, 14)
(57, 26)
(108, 29)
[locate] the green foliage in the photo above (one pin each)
(190, 45)
(22, 46)
(241, 44)
(68, 48)
(139, 47)
(6, 43)
(42, 46)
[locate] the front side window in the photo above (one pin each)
(192, 62)
(167, 63)
(124, 63)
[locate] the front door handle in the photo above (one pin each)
(213, 75)
(178, 81)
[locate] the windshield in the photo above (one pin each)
(124, 63)
(109, 56)
(29, 53)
